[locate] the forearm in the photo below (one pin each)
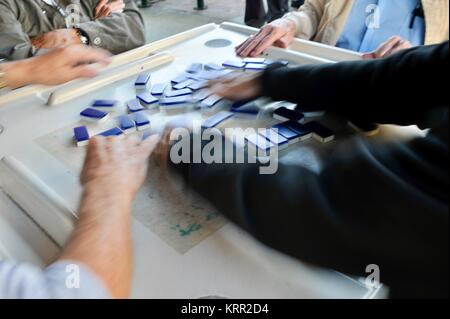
(118, 32)
(102, 237)
(408, 82)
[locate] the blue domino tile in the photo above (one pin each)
(286, 132)
(81, 135)
(195, 68)
(104, 103)
(134, 106)
(211, 100)
(216, 119)
(179, 79)
(175, 100)
(251, 108)
(147, 98)
(198, 85)
(179, 93)
(234, 64)
(213, 67)
(142, 121)
(282, 62)
(112, 132)
(127, 124)
(183, 85)
(158, 89)
(142, 80)
(254, 60)
(320, 132)
(93, 114)
(259, 142)
(303, 131)
(255, 66)
(275, 138)
(201, 95)
(285, 114)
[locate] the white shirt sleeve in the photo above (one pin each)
(61, 280)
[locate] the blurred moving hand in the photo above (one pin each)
(105, 7)
(118, 164)
(238, 88)
(391, 46)
(56, 39)
(280, 33)
(56, 67)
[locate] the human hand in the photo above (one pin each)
(56, 67)
(280, 33)
(238, 88)
(56, 39)
(391, 46)
(117, 165)
(104, 8)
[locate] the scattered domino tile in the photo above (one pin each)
(216, 119)
(198, 85)
(179, 79)
(81, 135)
(211, 100)
(259, 142)
(112, 132)
(158, 89)
(254, 60)
(303, 131)
(127, 125)
(104, 103)
(282, 62)
(234, 64)
(247, 108)
(94, 115)
(195, 68)
(213, 67)
(201, 95)
(320, 132)
(292, 136)
(175, 100)
(275, 138)
(147, 98)
(142, 80)
(179, 93)
(183, 85)
(134, 106)
(285, 114)
(142, 121)
(255, 66)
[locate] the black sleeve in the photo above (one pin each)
(391, 90)
(339, 218)
(383, 204)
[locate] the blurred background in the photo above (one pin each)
(164, 18)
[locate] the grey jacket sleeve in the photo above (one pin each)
(14, 42)
(118, 32)
(62, 280)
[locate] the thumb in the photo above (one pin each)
(283, 42)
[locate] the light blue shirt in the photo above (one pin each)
(372, 22)
(25, 281)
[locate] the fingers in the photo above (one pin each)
(251, 45)
(387, 46)
(99, 7)
(265, 43)
(401, 45)
(241, 46)
(83, 71)
(147, 147)
(81, 54)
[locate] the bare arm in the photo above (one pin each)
(113, 173)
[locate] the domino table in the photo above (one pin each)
(183, 247)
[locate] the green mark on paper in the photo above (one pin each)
(187, 231)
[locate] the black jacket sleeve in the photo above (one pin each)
(383, 204)
(395, 90)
